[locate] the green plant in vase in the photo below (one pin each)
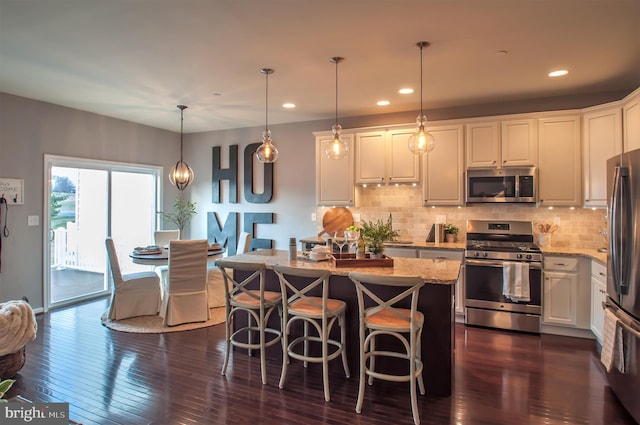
(375, 233)
(184, 212)
(450, 231)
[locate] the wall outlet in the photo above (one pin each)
(33, 220)
(556, 221)
(313, 217)
(356, 218)
(441, 219)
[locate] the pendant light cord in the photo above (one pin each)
(181, 130)
(266, 103)
(421, 113)
(337, 62)
(182, 108)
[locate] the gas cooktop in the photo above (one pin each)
(483, 245)
(501, 240)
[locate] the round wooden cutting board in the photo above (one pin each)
(337, 218)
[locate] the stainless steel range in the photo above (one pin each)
(492, 247)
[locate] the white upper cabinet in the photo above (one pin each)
(631, 121)
(483, 149)
(601, 139)
(384, 157)
(403, 166)
(519, 142)
(334, 177)
(560, 172)
(370, 157)
(496, 144)
(443, 182)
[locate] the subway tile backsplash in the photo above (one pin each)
(578, 228)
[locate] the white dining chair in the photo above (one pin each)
(184, 299)
(163, 237)
(244, 243)
(133, 294)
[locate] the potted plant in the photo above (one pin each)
(375, 234)
(450, 232)
(184, 212)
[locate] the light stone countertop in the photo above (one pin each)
(591, 253)
(444, 272)
(454, 246)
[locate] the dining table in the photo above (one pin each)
(161, 257)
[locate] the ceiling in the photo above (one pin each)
(136, 60)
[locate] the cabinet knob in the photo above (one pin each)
(494, 162)
(602, 274)
(504, 161)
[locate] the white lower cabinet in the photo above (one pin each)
(449, 254)
(560, 296)
(400, 252)
(598, 296)
(565, 295)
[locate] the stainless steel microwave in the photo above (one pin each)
(501, 185)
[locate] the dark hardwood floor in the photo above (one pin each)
(110, 377)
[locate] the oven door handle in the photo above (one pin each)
(496, 263)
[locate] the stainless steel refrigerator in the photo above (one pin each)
(623, 274)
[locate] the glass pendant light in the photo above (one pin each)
(267, 152)
(181, 175)
(338, 147)
(421, 141)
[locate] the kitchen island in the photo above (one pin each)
(435, 302)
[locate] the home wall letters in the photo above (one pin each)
(228, 235)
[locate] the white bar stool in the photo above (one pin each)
(258, 303)
(384, 318)
(319, 312)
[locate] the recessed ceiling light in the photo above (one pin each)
(289, 105)
(558, 73)
(382, 103)
(406, 90)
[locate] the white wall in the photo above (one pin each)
(30, 129)
(293, 198)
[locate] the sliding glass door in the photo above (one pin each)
(88, 200)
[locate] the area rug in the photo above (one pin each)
(153, 324)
